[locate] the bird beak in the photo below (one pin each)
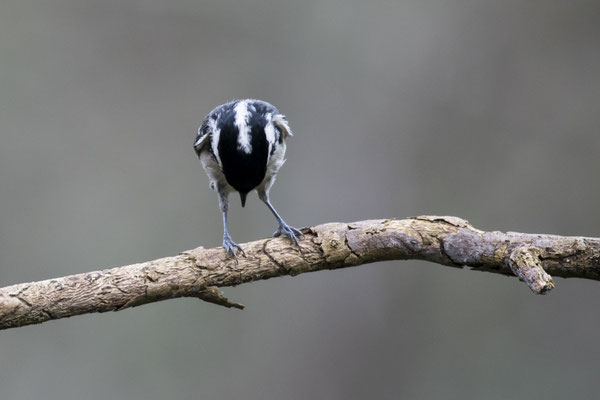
(243, 198)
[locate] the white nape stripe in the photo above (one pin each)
(241, 121)
(216, 132)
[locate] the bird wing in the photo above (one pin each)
(200, 140)
(281, 123)
(203, 137)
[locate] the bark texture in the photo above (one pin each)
(450, 241)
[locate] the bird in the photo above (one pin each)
(241, 145)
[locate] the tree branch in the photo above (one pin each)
(200, 272)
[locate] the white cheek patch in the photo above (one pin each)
(269, 130)
(216, 133)
(241, 122)
(270, 133)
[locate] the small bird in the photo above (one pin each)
(241, 145)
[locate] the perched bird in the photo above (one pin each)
(241, 145)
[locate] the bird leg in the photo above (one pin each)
(284, 229)
(228, 244)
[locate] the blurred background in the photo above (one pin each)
(484, 110)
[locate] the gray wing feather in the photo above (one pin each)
(203, 137)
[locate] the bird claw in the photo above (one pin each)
(289, 231)
(230, 246)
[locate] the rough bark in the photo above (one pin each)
(450, 241)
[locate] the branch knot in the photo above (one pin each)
(525, 263)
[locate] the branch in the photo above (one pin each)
(200, 272)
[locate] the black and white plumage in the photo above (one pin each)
(241, 145)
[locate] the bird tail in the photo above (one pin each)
(243, 198)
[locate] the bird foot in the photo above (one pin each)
(230, 246)
(289, 231)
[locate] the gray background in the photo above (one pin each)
(485, 110)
